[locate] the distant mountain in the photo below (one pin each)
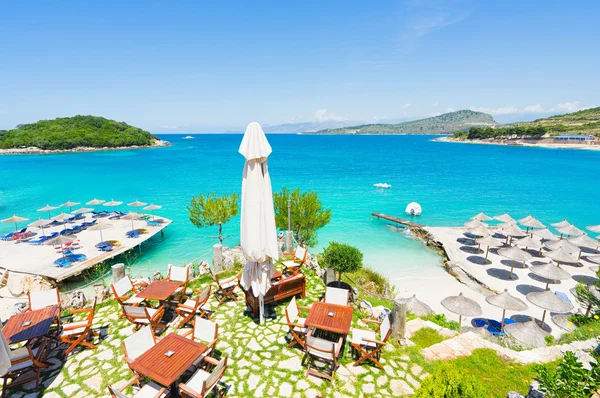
(302, 127)
(585, 121)
(442, 124)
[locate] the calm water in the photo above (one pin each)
(451, 181)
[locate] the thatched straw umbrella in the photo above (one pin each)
(489, 242)
(510, 231)
(474, 224)
(152, 207)
(594, 228)
(82, 210)
(41, 223)
(544, 234)
(99, 226)
(569, 230)
(561, 224)
(562, 255)
(550, 272)
(527, 333)
(70, 204)
(529, 242)
(418, 307)
(505, 218)
(533, 223)
(14, 219)
(48, 208)
(461, 305)
(513, 253)
(548, 301)
(484, 217)
(131, 216)
(585, 242)
(506, 301)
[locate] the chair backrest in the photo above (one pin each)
(122, 286)
(213, 275)
(133, 313)
(325, 348)
(138, 343)
(116, 393)
(43, 299)
(385, 329)
(178, 274)
(300, 253)
(334, 295)
(215, 376)
(292, 311)
(90, 316)
(204, 296)
(205, 330)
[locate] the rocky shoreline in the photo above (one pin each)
(38, 151)
(544, 143)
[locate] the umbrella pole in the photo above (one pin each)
(503, 315)
(487, 252)
(460, 320)
(132, 224)
(101, 236)
(512, 266)
(543, 319)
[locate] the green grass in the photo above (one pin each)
(440, 319)
(426, 337)
(588, 330)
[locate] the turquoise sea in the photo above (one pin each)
(451, 181)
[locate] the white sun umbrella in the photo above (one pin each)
(15, 219)
(562, 255)
(82, 210)
(258, 235)
(550, 272)
(506, 301)
(561, 224)
(48, 208)
(483, 217)
(594, 228)
(544, 233)
(5, 355)
(152, 207)
(131, 216)
(489, 242)
(505, 218)
(570, 230)
(548, 301)
(70, 204)
(461, 305)
(100, 226)
(513, 253)
(62, 217)
(41, 223)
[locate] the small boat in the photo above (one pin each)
(382, 185)
(413, 209)
(188, 137)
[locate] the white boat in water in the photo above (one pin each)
(413, 209)
(382, 185)
(188, 137)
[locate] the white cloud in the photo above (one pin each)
(435, 104)
(172, 127)
(406, 106)
(506, 110)
(537, 108)
(568, 106)
(321, 115)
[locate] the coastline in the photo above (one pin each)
(38, 151)
(522, 143)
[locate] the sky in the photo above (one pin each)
(215, 66)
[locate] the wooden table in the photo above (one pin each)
(166, 370)
(276, 275)
(338, 323)
(41, 320)
(159, 290)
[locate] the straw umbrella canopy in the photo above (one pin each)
(99, 226)
(40, 223)
(562, 255)
(60, 240)
(15, 219)
(594, 259)
(258, 234)
(529, 243)
(112, 203)
(137, 203)
(62, 217)
(417, 307)
(564, 244)
(474, 224)
(484, 217)
(82, 210)
(510, 231)
(584, 241)
(480, 231)
(544, 233)
(131, 216)
(513, 253)
(461, 305)
(489, 242)
(550, 272)
(533, 223)
(563, 322)
(48, 208)
(506, 301)
(570, 230)
(152, 207)
(525, 219)
(70, 204)
(5, 355)
(595, 269)
(561, 224)
(548, 301)
(505, 218)
(527, 333)
(95, 202)
(594, 228)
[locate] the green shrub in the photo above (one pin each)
(426, 337)
(440, 319)
(570, 379)
(342, 258)
(450, 382)
(372, 281)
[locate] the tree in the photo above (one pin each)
(307, 214)
(342, 258)
(210, 210)
(570, 379)
(586, 297)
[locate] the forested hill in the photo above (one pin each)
(442, 124)
(74, 132)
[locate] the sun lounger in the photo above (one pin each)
(153, 223)
(564, 297)
(8, 236)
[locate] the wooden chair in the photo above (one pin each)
(144, 316)
(334, 295)
(179, 274)
(324, 351)
(43, 299)
(121, 290)
(295, 323)
(225, 287)
(137, 344)
(191, 307)
(297, 261)
(149, 390)
(202, 383)
(78, 333)
(366, 344)
(26, 364)
(205, 332)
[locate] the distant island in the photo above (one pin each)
(75, 134)
(575, 130)
(443, 124)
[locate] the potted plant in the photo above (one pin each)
(342, 258)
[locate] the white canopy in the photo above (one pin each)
(258, 234)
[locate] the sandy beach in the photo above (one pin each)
(548, 143)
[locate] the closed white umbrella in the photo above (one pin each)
(258, 235)
(5, 362)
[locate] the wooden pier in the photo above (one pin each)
(396, 220)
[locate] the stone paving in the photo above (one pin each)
(260, 363)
